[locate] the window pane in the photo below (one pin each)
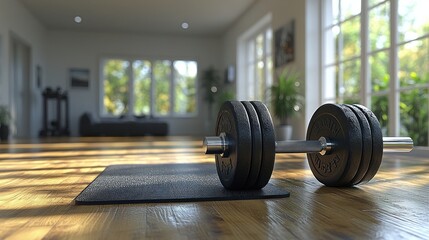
(349, 8)
(251, 82)
(142, 84)
(115, 83)
(379, 63)
(332, 36)
(335, 8)
(161, 77)
(353, 100)
(185, 76)
(380, 108)
(351, 78)
(379, 27)
(414, 115)
(414, 62)
(259, 46)
(374, 2)
(331, 83)
(413, 19)
(351, 38)
(268, 41)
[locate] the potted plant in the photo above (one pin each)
(4, 122)
(285, 101)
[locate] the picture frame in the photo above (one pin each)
(79, 77)
(284, 38)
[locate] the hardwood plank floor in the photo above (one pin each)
(39, 180)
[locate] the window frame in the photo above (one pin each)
(152, 112)
(366, 93)
(243, 62)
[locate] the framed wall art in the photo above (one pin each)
(79, 77)
(284, 38)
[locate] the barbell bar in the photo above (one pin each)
(219, 145)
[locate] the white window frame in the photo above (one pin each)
(152, 112)
(243, 77)
(365, 77)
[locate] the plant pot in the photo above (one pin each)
(4, 132)
(284, 132)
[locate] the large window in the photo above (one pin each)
(255, 62)
(143, 87)
(259, 65)
(376, 52)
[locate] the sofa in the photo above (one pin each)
(121, 127)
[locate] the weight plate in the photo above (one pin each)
(377, 143)
(366, 145)
(233, 166)
(256, 149)
(268, 144)
(340, 125)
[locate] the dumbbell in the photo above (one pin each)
(344, 145)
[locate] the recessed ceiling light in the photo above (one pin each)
(185, 25)
(77, 19)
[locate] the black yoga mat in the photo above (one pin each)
(165, 183)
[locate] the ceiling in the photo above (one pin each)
(205, 17)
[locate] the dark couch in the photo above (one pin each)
(121, 127)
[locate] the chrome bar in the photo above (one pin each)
(322, 146)
(215, 145)
(298, 146)
(219, 145)
(397, 144)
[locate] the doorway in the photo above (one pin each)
(20, 88)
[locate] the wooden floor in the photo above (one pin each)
(38, 182)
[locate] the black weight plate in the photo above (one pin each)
(377, 143)
(233, 168)
(268, 144)
(256, 149)
(340, 125)
(366, 145)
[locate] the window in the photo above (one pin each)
(255, 62)
(144, 87)
(259, 65)
(376, 52)
(342, 60)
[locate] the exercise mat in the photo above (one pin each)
(139, 183)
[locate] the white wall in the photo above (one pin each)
(17, 22)
(84, 50)
(282, 12)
